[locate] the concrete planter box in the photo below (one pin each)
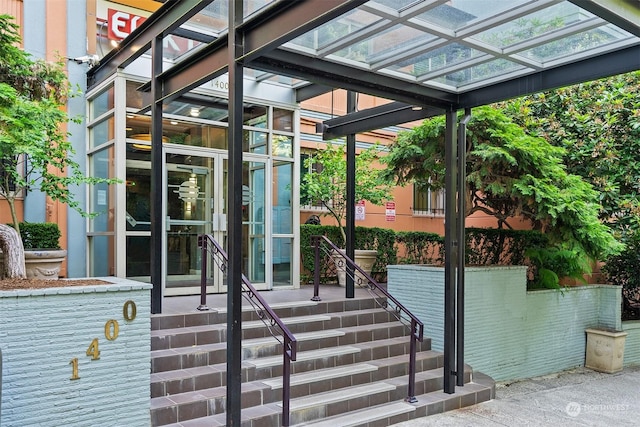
(76, 355)
(512, 333)
(605, 350)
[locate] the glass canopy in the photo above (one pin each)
(452, 45)
(459, 44)
(431, 51)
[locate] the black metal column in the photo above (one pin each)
(157, 192)
(450, 254)
(351, 198)
(234, 215)
(462, 192)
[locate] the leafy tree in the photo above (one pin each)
(34, 150)
(510, 173)
(598, 123)
(328, 185)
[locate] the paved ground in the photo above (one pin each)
(579, 397)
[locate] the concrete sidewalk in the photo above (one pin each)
(580, 397)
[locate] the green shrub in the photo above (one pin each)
(549, 265)
(40, 235)
(379, 239)
(418, 247)
(500, 246)
(483, 246)
(623, 270)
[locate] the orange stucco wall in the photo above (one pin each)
(334, 103)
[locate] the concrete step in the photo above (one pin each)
(218, 315)
(363, 417)
(200, 377)
(167, 338)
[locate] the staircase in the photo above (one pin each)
(351, 368)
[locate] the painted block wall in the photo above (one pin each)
(43, 330)
(632, 343)
(510, 333)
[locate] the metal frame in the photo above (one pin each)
(256, 43)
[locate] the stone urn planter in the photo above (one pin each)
(363, 258)
(605, 350)
(40, 263)
(43, 263)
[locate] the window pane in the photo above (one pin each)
(282, 120)
(138, 213)
(282, 196)
(101, 104)
(102, 196)
(101, 132)
(255, 115)
(101, 262)
(134, 96)
(254, 142)
(282, 261)
(138, 259)
(282, 146)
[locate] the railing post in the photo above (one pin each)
(286, 382)
(411, 394)
(316, 270)
(203, 273)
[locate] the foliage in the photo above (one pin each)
(328, 185)
(39, 235)
(34, 150)
(622, 270)
(551, 264)
(599, 125)
(483, 247)
(381, 240)
(378, 239)
(495, 246)
(509, 174)
(420, 247)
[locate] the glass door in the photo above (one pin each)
(195, 205)
(195, 191)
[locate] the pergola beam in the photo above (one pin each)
(621, 13)
(609, 64)
(327, 73)
(378, 117)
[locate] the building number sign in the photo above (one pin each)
(111, 331)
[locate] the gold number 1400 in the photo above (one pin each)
(111, 331)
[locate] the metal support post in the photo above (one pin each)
(234, 209)
(450, 254)
(351, 199)
(156, 177)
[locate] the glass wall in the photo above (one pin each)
(102, 197)
(195, 139)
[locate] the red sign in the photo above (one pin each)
(120, 24)
(390, 211)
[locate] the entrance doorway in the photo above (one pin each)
(195, 204)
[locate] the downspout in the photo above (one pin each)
(462, 179)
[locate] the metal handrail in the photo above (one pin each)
(396, 308)
(211, 247)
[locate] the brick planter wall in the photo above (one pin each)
(45, 334)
